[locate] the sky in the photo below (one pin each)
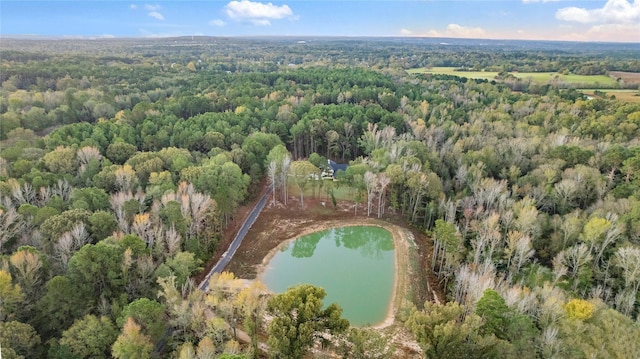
(577, 20)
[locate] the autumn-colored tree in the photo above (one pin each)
(132, 344)
(10, 296)
(579, 309)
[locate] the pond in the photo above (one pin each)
(355, 266)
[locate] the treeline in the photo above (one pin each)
(246, 55)
(117, 178)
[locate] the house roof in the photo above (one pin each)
(337, 166)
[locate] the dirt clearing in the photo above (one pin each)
(278, 224)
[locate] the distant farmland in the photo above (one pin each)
(622, 95)
(576, 81)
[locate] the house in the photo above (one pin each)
(335, 167)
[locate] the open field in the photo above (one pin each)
(539, 77)
(627, 77)
(341, 191)
(622, 95)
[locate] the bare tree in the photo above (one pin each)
(370, 182)
(63, 189)
(383, 182)
(272, 172)
(85, 155)
(471, 283)
(574, 258)
(625, 301)
(284, 174)
(70, 242)
(194, 206)
(44, 195)
(628, 259)
(172, 240)
(346, 140)
(332, 142)
(518, 250)
(3, 167)
(488, 239)
(371, 138)
(11, 223)
(126, 178)
(117, 201)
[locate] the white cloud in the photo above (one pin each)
(613, 12)
(217, 22)
(151, 7)
(406, 32)
(606, 32)
(156, 15)
(617, 32)
(455, 30)
(257, 13)
(133, 6)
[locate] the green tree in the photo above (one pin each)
(19, 338)
(506, 324)
(59, 307)
(120, 152)
(303, 173)
(61, 160)
(224, 181)
(145, 163)
(318, 161)
(55, 226)
(362, 343)
(90, 198)
(148, 314)
(299, 319)
(257, 146)
(181, 265)
(444, 331)
(90, 337)
(102, 224)
(95, 272)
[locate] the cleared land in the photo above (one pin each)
(622, 95)
(279, 224)
(580, 81)
(627, 77)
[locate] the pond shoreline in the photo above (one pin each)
(401, 245)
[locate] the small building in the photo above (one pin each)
(334, 167)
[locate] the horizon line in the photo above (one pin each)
(417, 37)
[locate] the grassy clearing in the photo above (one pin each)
(622, 95)
(341, 191)
(539, 77)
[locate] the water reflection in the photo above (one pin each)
(370, 243)
(355, 265)
(305, 246)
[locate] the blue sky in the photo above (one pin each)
(581, 20)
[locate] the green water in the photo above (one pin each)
(355, 265)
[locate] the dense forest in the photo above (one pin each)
(122, 161)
